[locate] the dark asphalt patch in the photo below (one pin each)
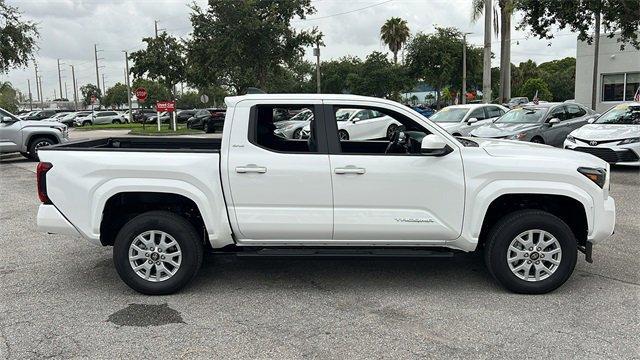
(146, 315)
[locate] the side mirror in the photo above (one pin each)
(355, 120)
(433, 145)
(472, 120)
(591, 120)
(6, 119)
(554, 121)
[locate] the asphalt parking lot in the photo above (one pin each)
(62, 298)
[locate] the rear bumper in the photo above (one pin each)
(605, 221)
(51, 221)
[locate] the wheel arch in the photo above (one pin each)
(35, 135)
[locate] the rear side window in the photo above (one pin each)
(575, 111)
(284, 128)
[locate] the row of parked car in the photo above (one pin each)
(613, 136)
(208, 120)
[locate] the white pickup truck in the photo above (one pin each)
(419, 192)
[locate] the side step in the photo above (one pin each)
(343, 252)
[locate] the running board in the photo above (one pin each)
(346, 252)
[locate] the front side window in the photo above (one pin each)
(558, 112)
(575, 111)
(373, 137)
(494, 111)
(267, 130)
(478, 114)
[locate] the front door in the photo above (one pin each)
(280, 188)
(10, 133)
(385, 196)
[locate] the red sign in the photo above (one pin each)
(169, 106)
(93, 99)
(141, 94)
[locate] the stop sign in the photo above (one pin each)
(141, 93)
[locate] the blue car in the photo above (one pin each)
(424, 111)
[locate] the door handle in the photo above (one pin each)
(350, 170)
(251, 168)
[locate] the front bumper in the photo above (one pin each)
(613, 154)
(604, 221)
(51, 221)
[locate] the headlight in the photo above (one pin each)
(629, 141)
(518, 136)
(597, 175)
(571, 138)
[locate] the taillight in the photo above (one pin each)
(41, 177)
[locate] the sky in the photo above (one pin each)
(70, 28)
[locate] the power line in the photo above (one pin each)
(345, 12)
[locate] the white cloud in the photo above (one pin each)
(70, 28)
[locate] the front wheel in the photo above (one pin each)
(36, 144)
(537, 140)
(531, 252)
(390, 130)
(116, 122)
(207, 129)
(343, 135)
(87, 123)
(157, 253)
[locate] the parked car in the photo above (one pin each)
(28, 136)
(424, 110)
(141, 115)
(545, 123)
(614, 136)
(164, 117)
(460, 120)
(360, 124)
(40, 115)
(70, 118)
(291, 128)
(59, 115)
(25, 114)
(209, 120)
(253, 193)
(516, 102)
(184, 115)
(99, 118)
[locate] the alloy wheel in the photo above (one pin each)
(534, 255)
(155, 255)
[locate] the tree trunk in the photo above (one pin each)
(395, 57)
(505, 51)
(596, 54)
(486, 64)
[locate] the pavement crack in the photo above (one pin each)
(610, 278)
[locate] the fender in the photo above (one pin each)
(486, 195)
(210, 206)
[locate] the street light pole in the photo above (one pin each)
(59, 78)
(316, 53)
(126, 61)
(464, 67)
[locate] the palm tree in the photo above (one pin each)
(395, 34)
(504, 28)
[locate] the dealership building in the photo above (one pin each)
(618, 73)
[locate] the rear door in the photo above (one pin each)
(279, 189)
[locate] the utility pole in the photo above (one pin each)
(316, 53)
(95, 52)
(596, 55)
(37, 84)
(30, 98)
(75, 88)
(41, 93)
(59, 78)
(126, 75)
(486, 67)
(104, 88)
(464, 68)
(66, 95)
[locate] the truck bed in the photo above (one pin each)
(143, 144)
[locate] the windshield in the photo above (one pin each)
(302, 116)
(449, 115)
(523, 116)
(4, 114)
(624, 114)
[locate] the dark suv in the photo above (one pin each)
(208, 120)
(42, 114)
(141, 115)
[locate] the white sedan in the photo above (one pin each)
(362, 124)
(459, 120)
(613, 137)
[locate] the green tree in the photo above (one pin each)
(17, 38)
(116, 95)
(8, 97)
(87, 91)
(379, 77)
(239, 43)
(395, 33)
(437, 59)
(536, 84)
(561, 77)
(335, 74)
(188, 100)
(156, 91)
(524, 71)
(161, 60)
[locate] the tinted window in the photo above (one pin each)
(494, 111)
(575, 111)
(478, 114)
(558, 112)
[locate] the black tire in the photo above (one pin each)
(390, 130)
(537, 140)
(207, 129)
(36, 143)
(343, 135)
(180, 229)
(27, 155)
(508, 228)
(87, 123)
(116, 121)
(297, 134)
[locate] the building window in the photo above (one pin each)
(620, 87)
(633, 83)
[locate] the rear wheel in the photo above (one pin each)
(157, 253)
(297, 134)
(531, 252)
(390, 130)
(537, 140)
(207, 128)
(343, 135)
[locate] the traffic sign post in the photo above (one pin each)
(141, 95)
(168, 106)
